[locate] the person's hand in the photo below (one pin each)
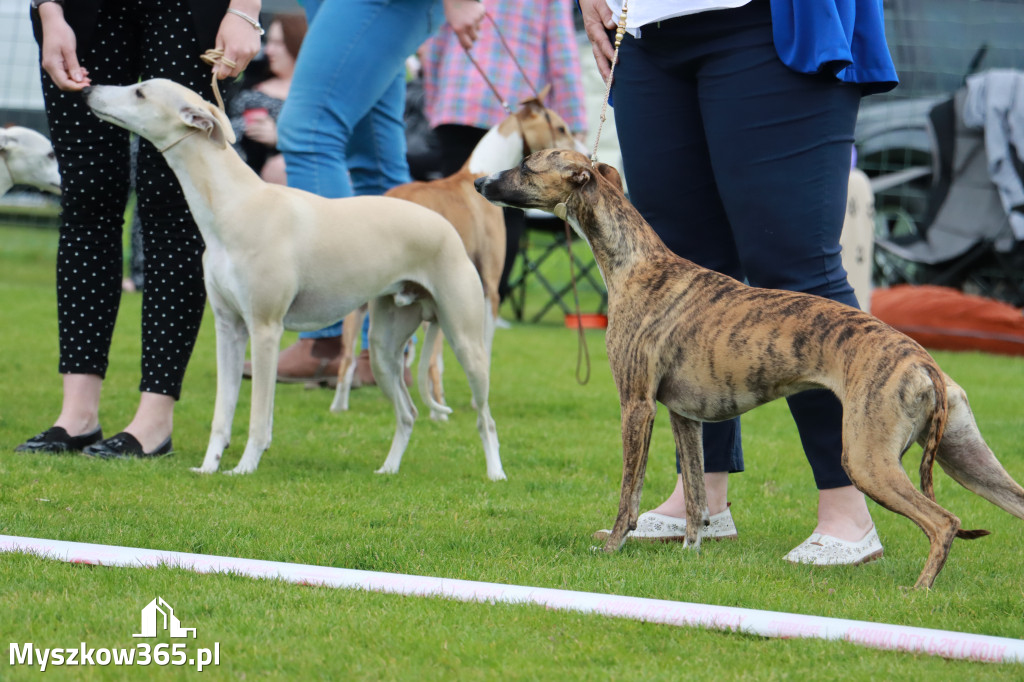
(59, 56)
(261, 128)
(238, 39)
(597, 19)
(464, 16)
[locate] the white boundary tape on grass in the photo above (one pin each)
(948, 644)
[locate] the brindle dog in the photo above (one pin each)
(710, 348)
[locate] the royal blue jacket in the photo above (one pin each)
(842, 37)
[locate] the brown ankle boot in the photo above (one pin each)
(363, 375)
(314, 361)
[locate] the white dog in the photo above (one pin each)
(26, 158)
(278, 257)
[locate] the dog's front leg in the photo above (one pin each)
(690, 459)
(231, 339)
(350, 329)
(637, 423)
(266, 346)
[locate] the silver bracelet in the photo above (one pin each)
(252, 22)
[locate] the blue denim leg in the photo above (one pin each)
(311, 7)
(341, 129)
(376, 152)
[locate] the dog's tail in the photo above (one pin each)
(423, 375)
(964, 455)
(936, 429)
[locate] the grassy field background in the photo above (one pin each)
(316, 500)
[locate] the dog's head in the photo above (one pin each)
(161, 111)
(550, 178)
(542, 128)
(29, 159)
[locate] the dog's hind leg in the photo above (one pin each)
(964, 455)
(231, 339)
(429, 377)
(871, 458)
(391, 328)
(433, 370)
(462, 320)
(637, 423)
(266, 346)
(690, 458)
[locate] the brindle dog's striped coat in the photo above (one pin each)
(710, 348)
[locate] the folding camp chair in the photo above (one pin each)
(961, 241)
(543, 257)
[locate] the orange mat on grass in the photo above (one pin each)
(946, 319)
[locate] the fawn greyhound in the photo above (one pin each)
(278, 258)
(710, 348)
(481, 225)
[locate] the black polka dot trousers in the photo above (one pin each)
(133, 40)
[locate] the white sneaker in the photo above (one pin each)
(655, 527)
(825, 550)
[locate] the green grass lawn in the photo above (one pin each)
(316, 500)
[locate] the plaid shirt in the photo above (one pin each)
(540, 34)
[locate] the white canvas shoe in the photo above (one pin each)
(655, 527)
(825, 550)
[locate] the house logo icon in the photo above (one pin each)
(159, 612)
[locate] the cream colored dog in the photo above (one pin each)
(278, 257)
(26, 158)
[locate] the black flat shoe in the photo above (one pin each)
(125, 446)
(56, 440)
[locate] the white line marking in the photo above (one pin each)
(945, 643)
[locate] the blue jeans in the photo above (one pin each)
(342, 130)
(741, 165)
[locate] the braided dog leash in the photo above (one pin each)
(213, 58)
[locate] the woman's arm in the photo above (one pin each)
(238, 38)
(59, 56)
(597, 19)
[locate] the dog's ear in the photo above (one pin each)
(210, 120)
(535, 105)
(610, 174)
(578, 176)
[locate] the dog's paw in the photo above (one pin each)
(387, 469)
(693, 547)
(203, 470)
(239, 470)
(499, 476)
(438, 416)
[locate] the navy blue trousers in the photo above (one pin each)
(741, 165)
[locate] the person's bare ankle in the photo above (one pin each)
(843, 514)
(78, 426)
(671, 507)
